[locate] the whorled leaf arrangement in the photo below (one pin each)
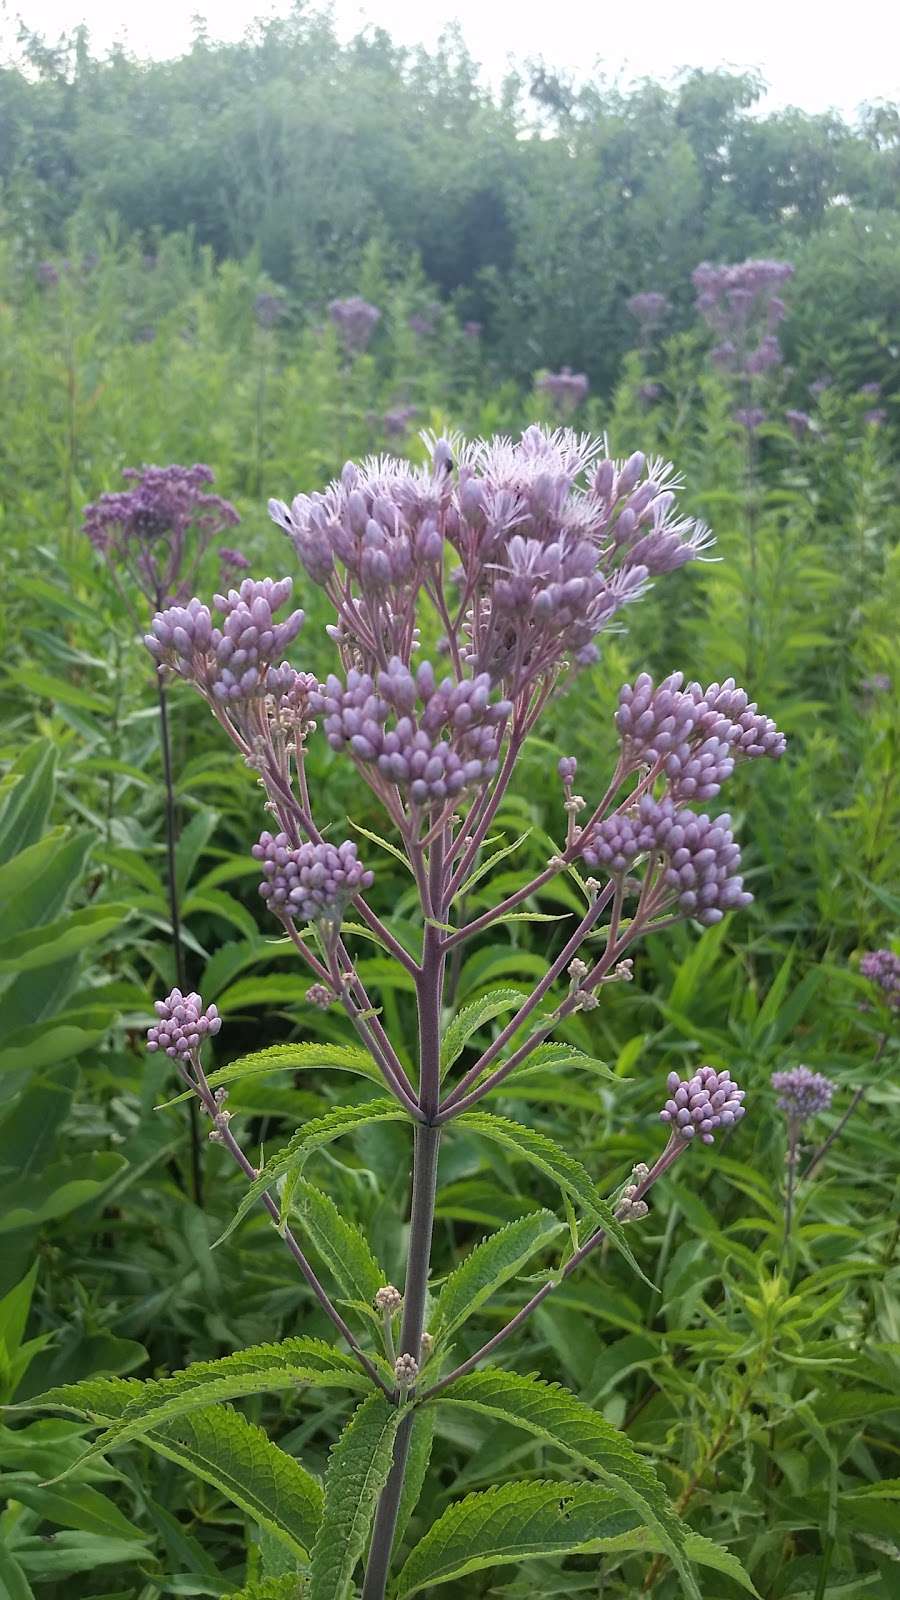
(522, 552)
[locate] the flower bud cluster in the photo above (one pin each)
(233, 663)
(444, 737)
(388, 1300)
(703, 1103)
(697, 735)
(312, 883)
(406, 1371)
(183, 1025)
(882, 967)
(802, 1093)
(700, 868)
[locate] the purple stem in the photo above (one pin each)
(225, 1137)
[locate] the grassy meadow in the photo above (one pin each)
(756, 1364)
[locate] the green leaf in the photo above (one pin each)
(357, 1472)
(76, 1505)
(490, 861)
(338, 1241)
(13, 1583)
(383, 844)
(291, 1058)
(551, 1159)
(58, 690)
(417, 1460)
(312, 1136)
(237, 1458)
(474, 1016)
(191, 845)
(561, 1420)
(26, 798)
(490, 1264)
(57, 1190)
(290, 1586)
(43, 946)
(217, 1444)
(510, 1524)
(139, 1407)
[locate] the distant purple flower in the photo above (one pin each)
(146, 530)
(703, 1103)
(818, 388)
(567, 389)
(183, 1025)
(269, 309)
(875, 418)
(878, 683)
(870, 391)
(355, 321)
(801, 1093)
(47, 274)
(145, 335)
(750, 417)
(396, 421)
(312, 883)
(799, 423)
(882, 967)
(231, 564)
(421, 325)
(647, 393)
(742, 305)
(472, 330)
(649, 309)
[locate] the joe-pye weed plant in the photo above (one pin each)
(504, 561)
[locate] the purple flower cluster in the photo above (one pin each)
(312, 883)
(703, 1103)
(698, 871)
(551, 544)
(742, 305)
(801, 1093)
(145, 529)
(231, 563)
(649, 393)
(236, 662)
(47, 274)
(183, 1025)
(567, 389)
(355, 321)
(882, 967)
(750, 417)
(649, 309)
(472, 330)
(799, 422)
(444, 737)
(268, 309)
(396, 421)
(696, 735)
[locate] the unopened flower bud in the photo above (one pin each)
(406, 1371)
(388, 1300)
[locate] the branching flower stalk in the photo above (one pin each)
(519, 554)
(152, 537)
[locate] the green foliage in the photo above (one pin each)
(357, 1470)
(488, 1266)
(748, 1378)
(510, 1524)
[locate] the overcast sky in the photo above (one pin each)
(814, 53)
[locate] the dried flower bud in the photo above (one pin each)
(426, 1347)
